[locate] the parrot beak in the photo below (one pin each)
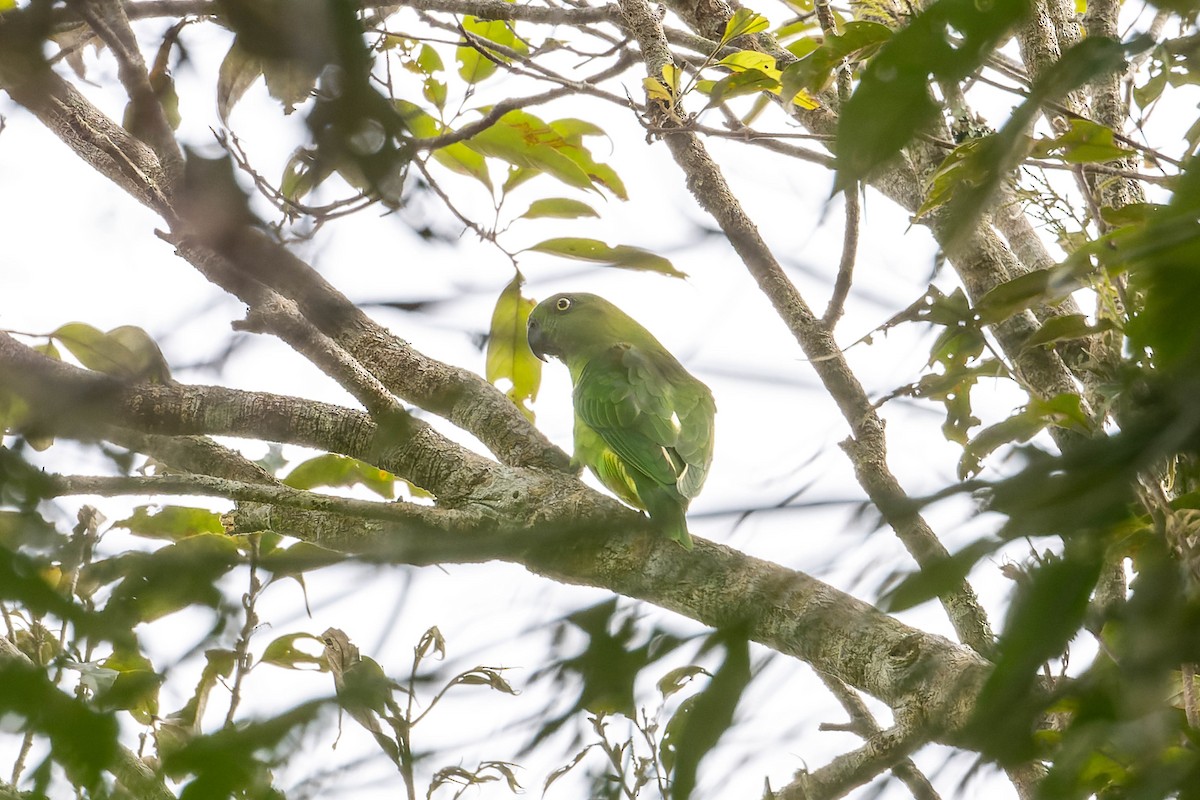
(537, 339)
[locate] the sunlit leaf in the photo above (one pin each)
(456, 157)
(558, 208)
(509, 358)
(332, 469)
(170, 522)
(624, 256)
(526, 141)
(282, 652)
(126, 352)
(749, 81)
(743, 22)
(476, 66)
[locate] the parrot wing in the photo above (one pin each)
(651, 412)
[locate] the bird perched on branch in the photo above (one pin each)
(643, 423)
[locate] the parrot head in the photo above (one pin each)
(577, 323)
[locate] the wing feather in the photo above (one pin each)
(654, 415)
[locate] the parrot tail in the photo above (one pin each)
(669, 512)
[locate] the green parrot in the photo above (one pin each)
(643, 424)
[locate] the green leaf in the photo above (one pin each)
(1063, 411)
(943, 576)
(303, 172)
(742, 23)
(171, 522)
(949, 40)
(1013, 296)
(558, 208)
(1085, 142)
(679, 677)
(1002, 151)
(238, 72)
(814, 70)
(295, 560)
(508, 355)
(174, 577)
(282, 652)
(82, 739)
(526, 141)
(289, 81)
(126, 352)
(135, 688)
(749, 81)
(622, 255)
(572, 132)
(965, 164)
(695, 728)
(474, 66)
(1020, 427)
(230, 762)
(332, 469)
(456, 157)
(27, 529)
(1065, 328)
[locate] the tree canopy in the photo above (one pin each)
(1031, 161)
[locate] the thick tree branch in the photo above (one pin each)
(108, 19)
(68, 400)
(785, 610)
(416, 516)
(105, 146)
(863, 724)
(484, 9)
(853, 769)
(250, 258)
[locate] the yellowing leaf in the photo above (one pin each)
(526, 141)
(595, 251)
(671, 75)
(456, 157)
(748, 59)
(508, 355)
(655, 90)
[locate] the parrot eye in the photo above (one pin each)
(563, 303)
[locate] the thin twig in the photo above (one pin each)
(242, 648)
